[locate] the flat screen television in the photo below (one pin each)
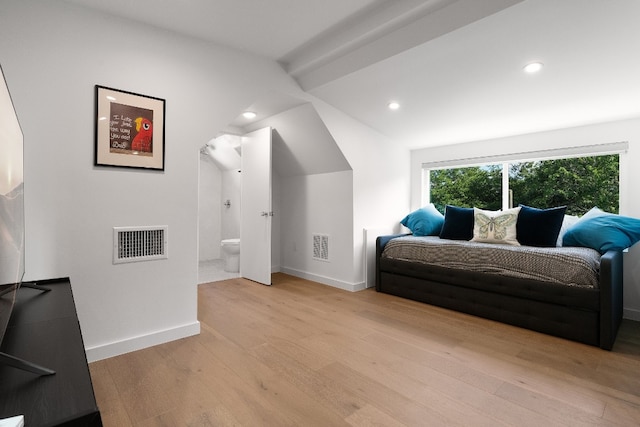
(12, 228)
(11, 205)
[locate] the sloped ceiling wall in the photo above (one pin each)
(302, 144)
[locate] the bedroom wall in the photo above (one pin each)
(210, 209)
(53, 54)
(373, 195)
(624, 130)
(381, 181)
(318, 204)
(231, 190)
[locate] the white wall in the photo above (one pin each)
(381, 182)
(305, 154)
(276, 221)
(317, 204)
(209, 210)
(231, 191)
(217, 221)
(373, 195)
(627, 130)
(53, 54)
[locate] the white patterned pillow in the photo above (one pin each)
(495, 226)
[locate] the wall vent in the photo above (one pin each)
(321, 247)
(133, 244)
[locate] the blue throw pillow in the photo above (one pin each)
(539, 227)
(458, 223)
(604, 232)
(426, 221)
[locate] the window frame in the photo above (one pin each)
(505, 160)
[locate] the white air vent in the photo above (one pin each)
(321, 247)
(132, 244)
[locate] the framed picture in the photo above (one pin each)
(129, 129)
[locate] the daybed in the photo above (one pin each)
(590, 315)
(471, 277)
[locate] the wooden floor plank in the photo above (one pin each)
(395, 405)
(301, 353)
(327, 392)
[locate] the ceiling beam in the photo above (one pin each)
(385, 30)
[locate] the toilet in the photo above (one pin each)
(231, 250)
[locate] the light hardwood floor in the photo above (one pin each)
(303, 354)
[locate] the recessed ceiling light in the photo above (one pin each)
(393, 105)
(533, 67)
(249, 115)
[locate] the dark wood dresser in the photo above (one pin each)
(44, 330)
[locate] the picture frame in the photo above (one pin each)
(129, 129)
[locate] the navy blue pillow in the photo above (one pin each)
(426, 221)
(539, 227)
(604, 232)
(458, 223)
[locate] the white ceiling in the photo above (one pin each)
(455, 66)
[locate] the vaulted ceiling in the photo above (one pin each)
(454, 66)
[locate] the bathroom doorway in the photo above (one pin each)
(218, 205)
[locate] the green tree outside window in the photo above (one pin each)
(579, 183)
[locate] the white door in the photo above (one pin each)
(255, 216)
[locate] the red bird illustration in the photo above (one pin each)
(142, 140)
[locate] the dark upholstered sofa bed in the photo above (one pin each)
(587, 313)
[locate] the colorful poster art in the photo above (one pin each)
(130, 130)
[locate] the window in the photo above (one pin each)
(579, 183)
(479, 186)
(576, 182)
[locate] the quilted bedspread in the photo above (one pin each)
(573, 266)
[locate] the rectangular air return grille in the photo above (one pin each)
(321, 247)
(132, 244)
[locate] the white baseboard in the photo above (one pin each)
(351, 287)
(631, 314)
(105, 351)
